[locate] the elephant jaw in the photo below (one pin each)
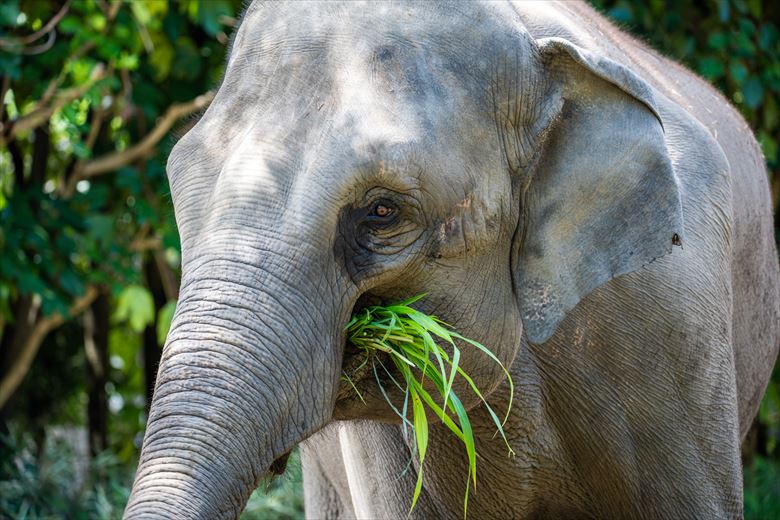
(359, 395)
(358, 369)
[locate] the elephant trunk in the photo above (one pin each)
(245, 376)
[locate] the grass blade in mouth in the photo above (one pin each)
(406, 335)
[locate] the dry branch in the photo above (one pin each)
(20, 365)
(140, 245)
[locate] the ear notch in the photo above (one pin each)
(602, 198)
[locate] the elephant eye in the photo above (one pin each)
(382, 210)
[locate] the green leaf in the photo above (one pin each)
(9, 12)
(28, 282)
(767, 37)
(747, 27)
(97, 21)
(149, 11)
(738, 72)
(768, 146)
(743, 44)
(164, 319)
(755, 8)
(136, 306)
(210, 12)
(771, 113)
(421, 436)
(70, 25)
(10, 65)
(711, 68)
(100, 228)
(400, 414)
(161, 58)
(404, 334)
(188, 61)
(753, 92)
(718, 40)
(127, 61)
(724, 10)
(622, 13)
(71, 283)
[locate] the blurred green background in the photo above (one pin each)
(94, 93)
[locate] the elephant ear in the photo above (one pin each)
(600, 198)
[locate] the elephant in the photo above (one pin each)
(592, 212)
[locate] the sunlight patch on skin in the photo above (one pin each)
(372, 116)
(246, 168)
(540, 13)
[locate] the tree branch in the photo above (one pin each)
(41, 115)
(40, 156)
(87, 46)
(25, 311)
(95, 126)
(43, 47)
(143, 149)
(21, 363)
(55, 83)
(18, 161)
(145, 244)
(3, 89)
(170, 281)
(8, 43)
(19, 353)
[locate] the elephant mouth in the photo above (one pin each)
(360, 370)
(364, 380)
(356, 369)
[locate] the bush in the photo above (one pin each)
(53, 481)
(762, 489)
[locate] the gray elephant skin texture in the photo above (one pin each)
(594, 213)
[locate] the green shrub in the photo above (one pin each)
(762, 489)
(46, 483)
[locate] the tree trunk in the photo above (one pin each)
(40, 157)
(155, 281)
(26, 337)
(15, 339)
(96, 327)
(25, 312)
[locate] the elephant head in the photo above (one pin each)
(354, 155)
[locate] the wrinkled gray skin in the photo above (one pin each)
(595, 214)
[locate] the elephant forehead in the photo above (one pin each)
(422, 52)
(381, 72)
(329, 92)
(308, 25)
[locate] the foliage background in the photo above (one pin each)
(89, 252)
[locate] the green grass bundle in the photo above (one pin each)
(407, 337)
